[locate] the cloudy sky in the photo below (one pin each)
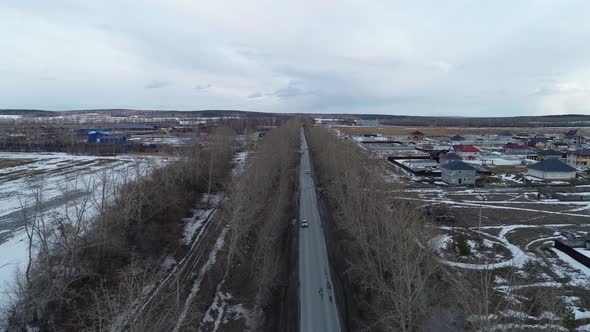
(472, 58)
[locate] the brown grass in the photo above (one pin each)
(5, 163)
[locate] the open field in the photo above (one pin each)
(514, 245)
(65, 182)
(436, 131)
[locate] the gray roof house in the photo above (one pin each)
(551, 169)
(449, 157)
(458, 173)
(550, 154)
(457, 138)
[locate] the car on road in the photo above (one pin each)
(308, 172)
(304, 223)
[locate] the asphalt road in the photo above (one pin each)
(318, 310)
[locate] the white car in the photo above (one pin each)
(308, 172)
(304, 223)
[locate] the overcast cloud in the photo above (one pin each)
(474, 58)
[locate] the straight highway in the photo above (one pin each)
(318, 310)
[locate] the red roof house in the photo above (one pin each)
(465, 148)
(513, 148)
(417, 135)
(467, 152)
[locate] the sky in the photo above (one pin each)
(451, 58)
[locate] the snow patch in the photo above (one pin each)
(202, 272)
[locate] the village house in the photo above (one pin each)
(457, 138)
(536, 143)
(449, 157)
(503, 137)
(551, 154)
(505, 134)
(458, 173)
(552, 169)
(467, 152)
(574, 137)
(580, 157)
(516, 149)
(560, 146)
(417, 135)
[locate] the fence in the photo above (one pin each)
(572, 253)
(422, 172)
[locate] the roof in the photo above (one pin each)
(538, 139)
(80, 130)
(505, 133)
(550, 152)
(552, 165)
(465, 148)
(452, 156)
(585, 152)
(571, 132)
(417, 133)
(457, 138)
(515, 146)
(458, 165)
(135, 127)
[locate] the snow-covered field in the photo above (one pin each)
(63, 181)
(518, 229)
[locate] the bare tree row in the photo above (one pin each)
(393, 277)
(260, 210)
(87, 261)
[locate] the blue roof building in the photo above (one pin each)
(112, 139)
(93, 136)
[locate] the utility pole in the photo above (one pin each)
(479, 227)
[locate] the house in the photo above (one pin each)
(458, 173)
(577, 139)
(516, 149)
(551, 154)
(560, 145)
(580, 157)
(457, 138)
(467, 152)
(552, 169)
(449, 157)
(426, 148)
(538, 142)
(417, 135)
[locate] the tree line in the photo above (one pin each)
(87, 261)
(260, 211)
(380, 246)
